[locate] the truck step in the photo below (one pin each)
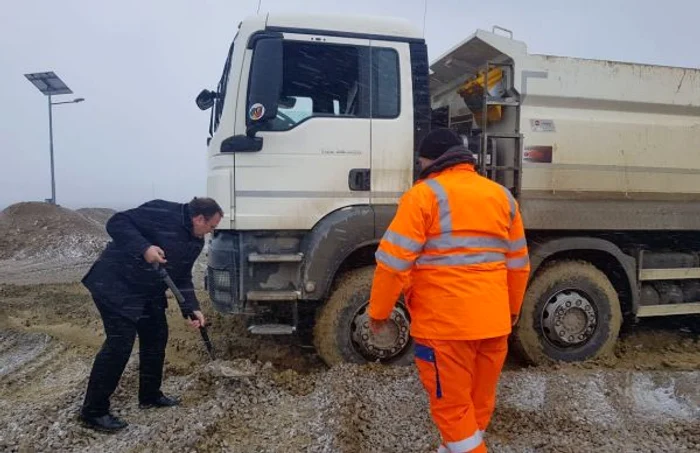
(273, 295)
(275, 258)
(272, 329)
(688, 308)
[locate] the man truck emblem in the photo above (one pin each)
(256, 111)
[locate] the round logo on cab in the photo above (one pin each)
(256, 111)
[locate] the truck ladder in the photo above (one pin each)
(488, 163)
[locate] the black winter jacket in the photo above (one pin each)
(123, 281)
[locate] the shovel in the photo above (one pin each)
(181, 300)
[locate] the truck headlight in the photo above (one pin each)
(220, 279)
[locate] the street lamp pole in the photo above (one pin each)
(50, 84)
(53, 179)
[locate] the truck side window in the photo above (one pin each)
(322, 80)
(385, 83)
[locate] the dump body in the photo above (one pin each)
(606, 145)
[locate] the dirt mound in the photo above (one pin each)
(41, 230)
(97, 215)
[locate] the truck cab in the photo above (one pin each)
(313, 138)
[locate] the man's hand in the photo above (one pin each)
(197, 323)
(154, 254)
(514, 319)
(376, 326)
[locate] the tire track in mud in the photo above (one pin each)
(602, 410)
(16, 349)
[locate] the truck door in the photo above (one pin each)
(392, 127)
(315, 156)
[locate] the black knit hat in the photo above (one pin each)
(437, 141)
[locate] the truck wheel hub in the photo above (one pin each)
(387, 344)
(569, 318)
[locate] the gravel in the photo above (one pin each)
(241, 405)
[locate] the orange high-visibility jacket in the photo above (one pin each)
(457, 250)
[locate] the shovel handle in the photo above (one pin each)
(180, 298)
(168, 281)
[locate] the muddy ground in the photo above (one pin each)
(275, 395)
(270, 395)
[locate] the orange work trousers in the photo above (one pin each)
(461, 378)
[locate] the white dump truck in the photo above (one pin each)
(314, 129)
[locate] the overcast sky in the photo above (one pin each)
(140, 64)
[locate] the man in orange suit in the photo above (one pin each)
(456, 248)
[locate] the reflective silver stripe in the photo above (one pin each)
(461, 259)
(391, 261)
(402, 241)
(511, 201)
(443, 449)
(468, 444)
(517, 263)
(443, 205)
(517, 245)
(447, 241)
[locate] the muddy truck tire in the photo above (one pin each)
(571, 313)
(341, 331)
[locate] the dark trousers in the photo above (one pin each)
(152, 329)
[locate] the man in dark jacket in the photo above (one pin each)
(130, 296)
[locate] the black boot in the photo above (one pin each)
(106, 423)
(159, 401)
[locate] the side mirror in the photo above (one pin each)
(265, 83)
(205, 99)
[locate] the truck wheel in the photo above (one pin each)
(570, 313)
(341, 331)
